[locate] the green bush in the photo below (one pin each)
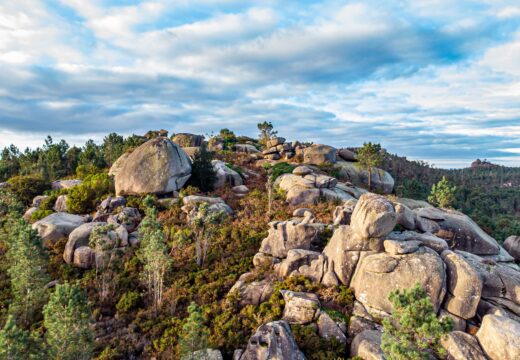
(40, 214)
(129, 301)
(83, 198)
(84, 171)
(413, 331)
(203, 175)
(280, 169)
(25, 188)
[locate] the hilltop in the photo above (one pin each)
(182, 247)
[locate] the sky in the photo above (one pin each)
(436, 80)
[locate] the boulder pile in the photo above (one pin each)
(468, 276)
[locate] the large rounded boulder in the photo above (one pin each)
(159, 166)
(373, 217)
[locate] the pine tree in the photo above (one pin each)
(203, 226)
(66, 318)
(27, 272)
(194, 335)
(16, 343)
(369, 156)
(266, 131)
(442, 194)
(153, 253)
(203, 175)
(413, 331)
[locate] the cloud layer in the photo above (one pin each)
(429, 79)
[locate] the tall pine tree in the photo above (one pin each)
(66, 318)
(16, 343)
(27, 272)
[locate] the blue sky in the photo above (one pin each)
(437, 80)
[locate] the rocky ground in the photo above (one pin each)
(378, 243)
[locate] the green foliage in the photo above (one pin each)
(203, 226)
(413, 331)
(228, 137)
(194, 334)
(280, 169)
(128, 301)
(369, 156)
(27, 264)
(9, 162)
(52, 159)
(40, 214)
(113, 147)
(266, 131)
(315, 347)
(17, 344)
(66, 319)
(83, 198)
(442, 194)
(92, 154)
(203, 175)
(84, 171)
(25, 188)
(133, 142)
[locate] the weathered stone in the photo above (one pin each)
(191, 151)
(206, 354)
(216, 205)
(118, 164)
(77, 238)
(373, 216)
(512, 245)
(380, 274)
(347, 155)
(354, 191)
(287, 235)
(462, 346)
(159, 166)
(225, 175)
(335, 194)
(322, 181)
(353, 172)
(264, 260)
(275, 141)
(433, 242)
(61, 204)
(188, 140)
(65, 184)
(458, 230)
(367, 345)
(302, 170)
(343, 213)
(272, 341)
(240, 190)
(37, 200)
(405, 216)
(319, 154)
(128, 217)
(345, 249)
(328, 329)
(464, 286)
(57, 226)
(300, 308)
(459, 324)
(27, 216)
(303, 196)
(252, 292)
(499, 337)
(294, 260)
(84, 257)
(246, 148)
(413, 204)
(394, 247)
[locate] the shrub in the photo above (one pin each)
(128, 301)
(442, 195)
(314, 346)
(40, 214)
(25, 188)
(228, 137)
(83, 198)
(370, 156)
(84, 171)
(280, 169)
(203, 174)
(413, 331)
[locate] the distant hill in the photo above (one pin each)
(487, 192)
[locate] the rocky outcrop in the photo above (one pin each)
(500, 337)
(353, 172)
(457, 229)
(57, 226)
(65, 184)
(206, 354)
(374, 216)
(347, 155)
(329, 329)
(61, 204)
(318, 154)
(464, 286)
(188, 140)
(286, 235)
(300, 308)
(272, 341)
(378, 275)
(252, 292)
(512, 245)
(246, 148)
(159, 166)
(215, 205)
(225, 175)
(77, 238)
(462, 346)
(84, 257)
(367, 345)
